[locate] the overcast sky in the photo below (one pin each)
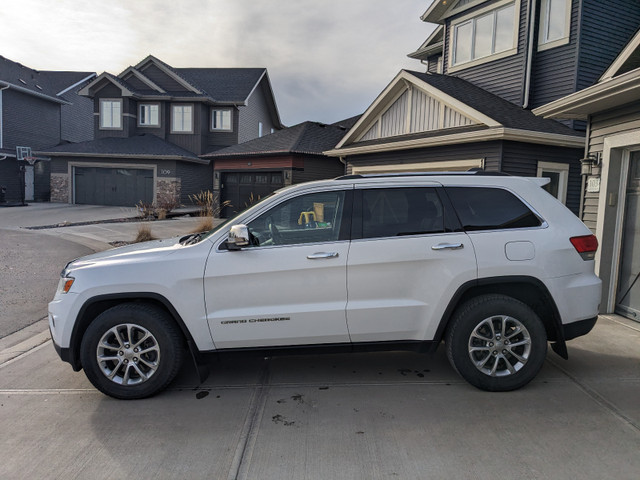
(327, 59)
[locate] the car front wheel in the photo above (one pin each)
(132, 351)
(496, 343)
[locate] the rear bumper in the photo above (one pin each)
(579, 328)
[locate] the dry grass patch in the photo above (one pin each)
(204, 225)
(144, 234)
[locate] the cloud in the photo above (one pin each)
(327, 60)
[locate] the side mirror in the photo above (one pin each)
(238, 237)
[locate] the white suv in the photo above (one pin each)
(493, 265)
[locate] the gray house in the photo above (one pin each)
(487, 64)
(610, 203)
(38, 109)
(258, 167)
(151, 123)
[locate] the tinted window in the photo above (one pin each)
(391, 212)
(311, 218)
(490, 209)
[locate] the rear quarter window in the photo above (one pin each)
(486, 208)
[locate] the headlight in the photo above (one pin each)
(65, 284)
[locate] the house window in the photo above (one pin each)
(486, 36)
(555, 23)
(558, 173)
(148, 115)
(111, 113)
(182, 118)
(221, 119)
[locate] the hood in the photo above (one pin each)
(129, 254)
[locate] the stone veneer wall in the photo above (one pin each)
(60, 188)
(168, 191)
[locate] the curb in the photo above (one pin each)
(14, 350)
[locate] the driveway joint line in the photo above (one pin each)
(603, 402)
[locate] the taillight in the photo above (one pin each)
(586, 246)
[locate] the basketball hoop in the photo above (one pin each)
(30, 160)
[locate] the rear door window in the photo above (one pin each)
(486, 208)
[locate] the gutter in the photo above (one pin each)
(35, 94)
(527, 78)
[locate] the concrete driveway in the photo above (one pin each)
(359, 416)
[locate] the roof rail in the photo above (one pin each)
(473, 171)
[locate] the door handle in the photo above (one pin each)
(316, 256)
(448, 246)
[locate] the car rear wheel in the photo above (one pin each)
(496, 343)
(132, 351)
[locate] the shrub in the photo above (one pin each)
(144, 234)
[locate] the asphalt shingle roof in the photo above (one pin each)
(146, 145)
(48, 83)
(311, 138)
(495, 107)
(231, 85)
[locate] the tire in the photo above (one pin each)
(496, 343)
(132, 350)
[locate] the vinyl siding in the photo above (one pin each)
(522, 159)
(213, 140)
(111, 91)
(617, 121)
(606, 29)
(29, 121)
(77, 118)
(318, 168)
(554, 70)
(256, 110)
(194, 179)
(503, 77)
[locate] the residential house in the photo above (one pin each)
(38, 109)
(611, 174)
(152, 122)
(245, 172)
(488, 62)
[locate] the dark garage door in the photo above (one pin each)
(238, 188)
(113, 186)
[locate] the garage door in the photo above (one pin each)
(112, 186)
(239, 187)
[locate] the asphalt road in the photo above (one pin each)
(30, 265)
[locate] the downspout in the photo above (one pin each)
(527, 78)
(1, 116)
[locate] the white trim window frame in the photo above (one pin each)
(221, 120)
(562, 169)
(182, 118)
(484, 36)
(555, 24)
(110, 114)
(148, 115)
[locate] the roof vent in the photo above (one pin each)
(21, 80)
(38, 87)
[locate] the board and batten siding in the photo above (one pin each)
(423, 112)
(503, 77)
(194, 178)
(612, 122)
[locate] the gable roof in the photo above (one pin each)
(141, 146)
(307, 138)
(619, 86)
(48, 85)
(431, 46)
(481, 116)
(214, 86)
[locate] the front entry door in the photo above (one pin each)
(289, 286)
(628, 293)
